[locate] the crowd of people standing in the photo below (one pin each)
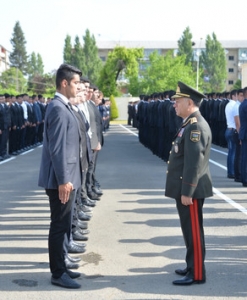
(21, 123)
(157, 122)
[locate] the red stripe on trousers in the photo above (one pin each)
(196, 237)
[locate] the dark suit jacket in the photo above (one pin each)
(60, 162)
(85, 140)
(243, 120)
(188, 168)
(93, 127)
(98, 121)
(4, 117)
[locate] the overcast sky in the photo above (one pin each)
(46, 23)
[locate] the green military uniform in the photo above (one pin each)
(188, 175)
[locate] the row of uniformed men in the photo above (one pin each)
(21, 123)
(157, 122)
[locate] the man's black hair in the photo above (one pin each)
(66, 72)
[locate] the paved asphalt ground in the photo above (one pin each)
(135, 241)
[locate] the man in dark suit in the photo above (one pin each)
(4, 127)
(188, 179)
(60, 170)
(96, 143)
(243, 136)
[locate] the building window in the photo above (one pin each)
(102, 58)
(230, 82)
(231, 57)
(231, 70)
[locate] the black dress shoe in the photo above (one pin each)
(73, 259)
(73, 275)
(85, 208)
(73, 248)
(79, 244)
(237, 180)
(77, 236)
(98, 191)
(81, 231)
(181, 272)
(83, 216)
(187, 281)
(81, 224)
(88, 202)
(88, 213)
(65, 281)
(93, 196)
(71, 265)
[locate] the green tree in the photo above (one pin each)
(164, 72)
(13, 79)
(119, 59)
(77, 57)
(35, 70)
(185, 46)
(93, 63)
(67, 51)
(214, 62)
(18, 57)
(32, 63)
(237, 85)
(40, 65)
(114, 109)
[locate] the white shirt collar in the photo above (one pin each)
(62, 97)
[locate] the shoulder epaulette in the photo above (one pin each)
(193, 120)
(190, 120)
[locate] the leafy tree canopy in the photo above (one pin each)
(214, 62)
(119, 59)
(18, 57)
(185, 46)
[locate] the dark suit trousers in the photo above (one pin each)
(83, 193)
(191, 221)
(59, 227)
(90, 171)
(3, 142)
(94, 168)
(244, 161)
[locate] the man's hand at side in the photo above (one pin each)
(64, 192)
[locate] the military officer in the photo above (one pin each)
(188, 179)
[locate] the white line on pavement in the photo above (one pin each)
(230, 201)
(221, 152)
(4, 161)
(217, 164)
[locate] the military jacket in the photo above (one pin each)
(188, 166)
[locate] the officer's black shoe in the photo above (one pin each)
(181, 272)
(187, 281)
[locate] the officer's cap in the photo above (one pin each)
(183, 90)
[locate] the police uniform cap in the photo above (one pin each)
(183, 90)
